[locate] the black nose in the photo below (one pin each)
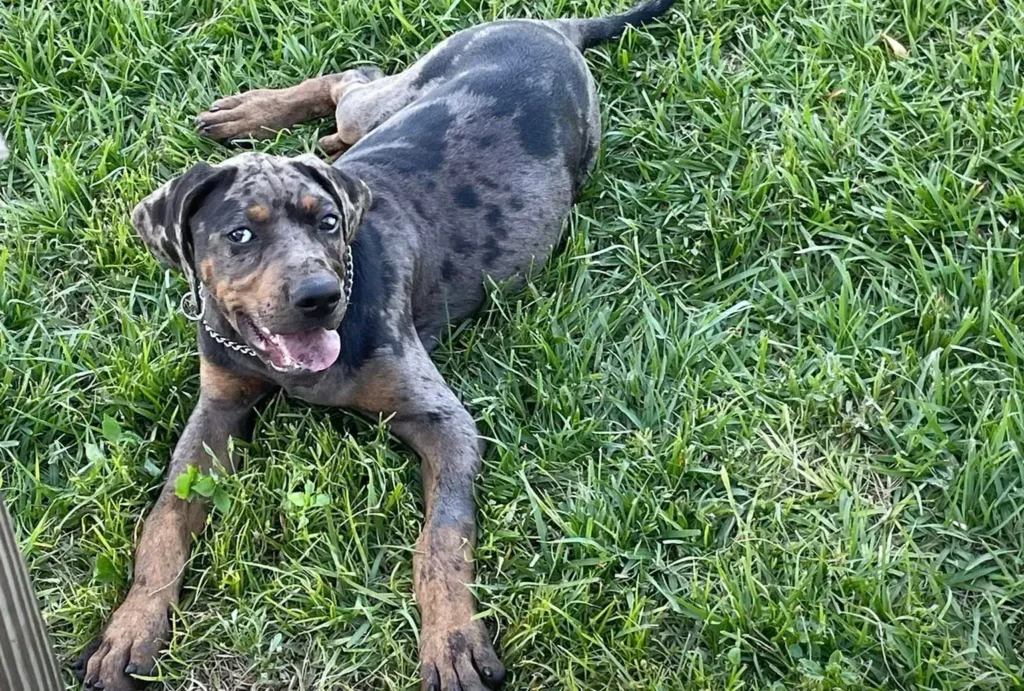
(317, 295)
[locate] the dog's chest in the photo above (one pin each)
(331, 388)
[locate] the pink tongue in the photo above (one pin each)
(315, 350)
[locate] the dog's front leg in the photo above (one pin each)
(455, 649)
(138, 628)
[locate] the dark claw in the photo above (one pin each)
(88, 682)
(492, 679)
(213, 109)
(81, 665)
(99, 685)
(132, 668)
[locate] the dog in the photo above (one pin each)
(334, 283)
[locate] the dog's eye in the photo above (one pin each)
(240, 236)
(329, 224)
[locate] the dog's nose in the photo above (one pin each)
(317, 295)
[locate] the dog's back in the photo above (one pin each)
(486, 160)
(497, 130)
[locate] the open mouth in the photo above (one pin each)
(303, 351)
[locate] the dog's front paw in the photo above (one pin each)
(128, 645)
(459, 659)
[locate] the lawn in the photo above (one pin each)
(758, 425)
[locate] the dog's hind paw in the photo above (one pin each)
(257, 114)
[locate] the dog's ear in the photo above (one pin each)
(162, 218)
(350, 193)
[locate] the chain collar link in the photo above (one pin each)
(227, 342)
(194, 313)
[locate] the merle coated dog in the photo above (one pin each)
(334, 282)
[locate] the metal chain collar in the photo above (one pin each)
(227, 342)
(192, 313)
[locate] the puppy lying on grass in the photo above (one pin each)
(334, 282)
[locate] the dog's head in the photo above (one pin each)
(265, 236)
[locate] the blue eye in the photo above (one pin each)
(240, 236)
(329, 224)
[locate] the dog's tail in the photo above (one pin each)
(589, 32)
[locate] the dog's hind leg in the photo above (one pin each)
(365, 101)
(261, 113)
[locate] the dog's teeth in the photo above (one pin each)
(265, 330)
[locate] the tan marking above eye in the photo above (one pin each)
(258, 212)
(309, 203)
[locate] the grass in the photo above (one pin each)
(757, 426)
